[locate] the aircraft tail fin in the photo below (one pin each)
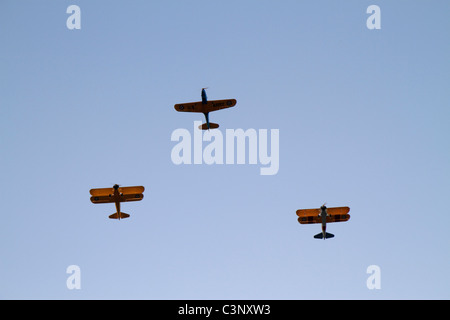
(327, 235)
(211, 126)
(123, 215)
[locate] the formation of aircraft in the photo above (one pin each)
(323, 215)
(206, 107)
(117, 195)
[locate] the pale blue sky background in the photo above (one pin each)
(363, 118)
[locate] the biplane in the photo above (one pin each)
(117, 195)
(206, 107)
(323, 215)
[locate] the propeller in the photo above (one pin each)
(116, 187)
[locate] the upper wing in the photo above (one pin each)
(308, 216)
(131, 190)
(189, 107)
(102, 192)
(308, 212)
(110, 191)
(215, 105)
(338, 214)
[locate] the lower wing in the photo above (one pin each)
(102, 199)
(122, 198)
(338, 218)
(309, 220)
(131, 197)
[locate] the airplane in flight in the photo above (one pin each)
(206, 107)
(117, 195)
(323, 215)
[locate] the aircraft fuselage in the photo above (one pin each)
(117, 199)
(323, 215)
(205, 101)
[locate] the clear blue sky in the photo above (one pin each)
(363, 117)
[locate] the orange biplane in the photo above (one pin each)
(117, 194)
(206, 107)
(323, 215)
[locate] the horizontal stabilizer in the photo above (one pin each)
(123, 215)
(211, 126)
(327, 235)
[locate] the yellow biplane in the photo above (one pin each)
(206, 107)
(117, 194)
(323, 215)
